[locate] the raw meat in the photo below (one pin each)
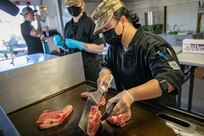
(102, 101)
(94, 120)
(50, 118)
(120, 120)
(85, 94)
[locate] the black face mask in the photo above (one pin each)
(111, 37)
(74, 11)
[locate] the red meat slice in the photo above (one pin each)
(93, 121)
(85, 94)
(102, 101)
(50, 118)
(120, 120)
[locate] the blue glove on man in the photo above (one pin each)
(58, 40)
(74, 43)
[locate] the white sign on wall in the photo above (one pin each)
(193, 45)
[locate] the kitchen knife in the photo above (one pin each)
(108, 111)
(1, 132)
(96, 96)
(92, 100)
(105, 125)
(83, 123)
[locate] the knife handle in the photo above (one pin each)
(108, 111)
(111, 78)
(1, 132)
(103, 88)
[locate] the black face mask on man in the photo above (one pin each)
(74, 11)
(111, 37)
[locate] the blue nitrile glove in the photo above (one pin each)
(58, 41)
(74, 43)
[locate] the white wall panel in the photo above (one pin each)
(180, 12)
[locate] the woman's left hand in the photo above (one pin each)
(123, 101)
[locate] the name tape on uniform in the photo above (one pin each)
(173, 65)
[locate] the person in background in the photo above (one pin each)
(46, 31)
(78, 35)
(144, 66)
(31, 35)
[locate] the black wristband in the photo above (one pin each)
(164, 85)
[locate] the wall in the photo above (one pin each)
(180, 12)
(202, 21)
(183, 13)
(53, 20)
(52, 13)
(33, 2)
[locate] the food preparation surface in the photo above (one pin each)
(146, 120)
(26, 60)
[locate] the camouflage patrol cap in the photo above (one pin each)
(69, 3)
(104, 13)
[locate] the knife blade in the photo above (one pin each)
(83, 123)
(96, 96)
(93, 99)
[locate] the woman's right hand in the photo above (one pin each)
(104, 78)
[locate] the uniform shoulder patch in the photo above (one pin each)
(173, 65)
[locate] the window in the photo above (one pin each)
(11, 41)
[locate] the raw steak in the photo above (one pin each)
(53, 118)
(93, 121)
(120, 120)
(101, 102)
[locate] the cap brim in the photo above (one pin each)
(23, 14)
(102, 22)
(71, 4)
(34, 11)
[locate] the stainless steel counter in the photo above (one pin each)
(24, 61)
(22, 86)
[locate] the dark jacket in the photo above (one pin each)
(142, 63)
(83, 31)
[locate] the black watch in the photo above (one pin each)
(164, 85)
